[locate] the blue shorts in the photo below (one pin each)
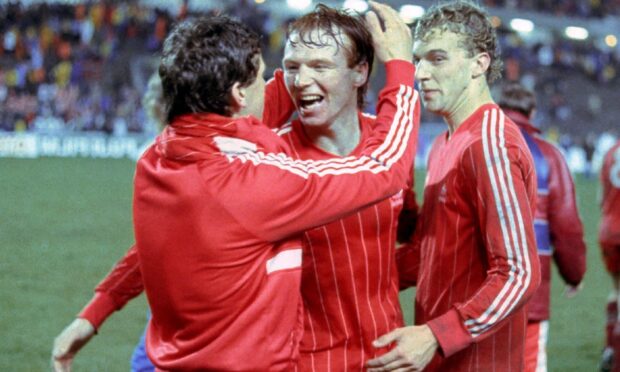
(140, 362)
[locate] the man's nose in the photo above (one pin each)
(303, 78)
(422, 71)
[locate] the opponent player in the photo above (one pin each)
(474, 259)
(609, 241)
(559, 231)
(327, 46)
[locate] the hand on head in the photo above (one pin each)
(393, 40)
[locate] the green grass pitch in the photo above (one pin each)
(64, 222)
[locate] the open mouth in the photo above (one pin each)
(309, 101)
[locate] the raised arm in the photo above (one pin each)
(312, 193)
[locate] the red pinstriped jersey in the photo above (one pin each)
(349, 280)
(609, 231)
(477, 263)
(559, 228)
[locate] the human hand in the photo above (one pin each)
(69, 342)
(415, 348)
(394, 41)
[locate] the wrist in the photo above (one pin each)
(399, 71)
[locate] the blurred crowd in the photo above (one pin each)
(82, 67)
(68, 67)
(573, 8)
(574, 82)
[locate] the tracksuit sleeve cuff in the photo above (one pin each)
(100, 307)
(450, 333)
(398, 71)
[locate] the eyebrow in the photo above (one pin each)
(429, 52)
(313, 60)
(434, 51)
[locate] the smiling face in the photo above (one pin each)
(319, 79)
(444, 71)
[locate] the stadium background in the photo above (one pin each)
(71, 123)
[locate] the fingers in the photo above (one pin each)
(394, 368)
(61, 360)
(383, 9)
(59, 350)
(374, 25)
(61, 365)
(392, 361)
(383, 12)
(393, 40)
(380, 363)
(69, 342)
(391, 19)
(386, 339)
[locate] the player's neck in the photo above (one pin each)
(340, 137)
(474, 98)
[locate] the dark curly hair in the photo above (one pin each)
(515, 96)
(202, 59)
(332, 21)
(469, 20)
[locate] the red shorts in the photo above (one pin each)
(536, 346)
(611, 257)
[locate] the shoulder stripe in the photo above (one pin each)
(388, 148)
(286, 128)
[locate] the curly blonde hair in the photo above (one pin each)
(469, 20)
(153, 101)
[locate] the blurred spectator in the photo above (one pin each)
(573, 8)
(589, 146)
(47, 122)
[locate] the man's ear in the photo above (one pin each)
(360, 74)
(238, 94)
(481, 64)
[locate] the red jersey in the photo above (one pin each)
(475, 260)
(559, 231)
(609, 231)
(349, 280)
(248, 316)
